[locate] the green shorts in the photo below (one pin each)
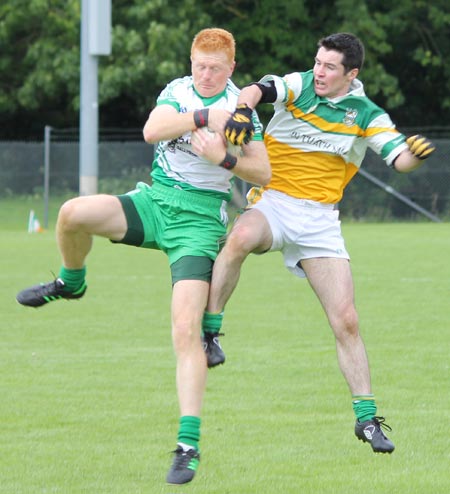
(177, 222)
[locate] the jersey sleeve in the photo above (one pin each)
(384, 139)
(168, 95)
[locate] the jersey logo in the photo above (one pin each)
(350, 117)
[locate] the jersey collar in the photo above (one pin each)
(212, 99)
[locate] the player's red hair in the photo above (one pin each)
(214, 39)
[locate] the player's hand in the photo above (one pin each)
(420, 146)
(210, 145)
(239, 129)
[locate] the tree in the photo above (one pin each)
(419, 33)
(40, 61)
(149, 49)
(407, 46)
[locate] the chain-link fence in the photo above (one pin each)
(124, 159)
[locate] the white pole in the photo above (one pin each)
(95, 41)
(47, 137)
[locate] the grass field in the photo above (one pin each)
(88, 400)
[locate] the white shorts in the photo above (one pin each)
(302, 229)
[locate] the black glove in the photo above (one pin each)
(420, 146)
(239, 129)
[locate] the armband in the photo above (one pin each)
(229, 162)
(268, 90)
(201, 117)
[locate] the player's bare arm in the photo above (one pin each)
(165, 122)
(250, 95)
(217, 119)
(420, 148)
(239, 128)
(252, 163)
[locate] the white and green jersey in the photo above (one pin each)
(175, 162)
(316, 145)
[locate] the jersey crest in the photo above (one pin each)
(350, 117)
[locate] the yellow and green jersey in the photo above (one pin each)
(316, 145)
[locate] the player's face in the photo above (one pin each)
(330, 80)
(210, 71)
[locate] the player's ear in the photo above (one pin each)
(352, 74)
(232, 67)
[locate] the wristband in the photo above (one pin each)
(201, 117)
(229, 162)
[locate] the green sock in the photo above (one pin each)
(364, 407)
(189, 431)
(212, 322)
(73, 278)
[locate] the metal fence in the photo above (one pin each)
(377, 193)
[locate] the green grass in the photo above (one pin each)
(88, 401)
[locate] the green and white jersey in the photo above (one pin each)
(316, 145)
(175, 163)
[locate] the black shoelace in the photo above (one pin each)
(380, 421)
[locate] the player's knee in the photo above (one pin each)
(68, 215)
(351, 323)
(185, 334)
(241, 241)
(345, 321)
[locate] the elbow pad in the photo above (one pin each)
(268, 90)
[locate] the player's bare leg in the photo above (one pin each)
(188, 303)
(250, 233)
(332, 282)
(78, 220)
